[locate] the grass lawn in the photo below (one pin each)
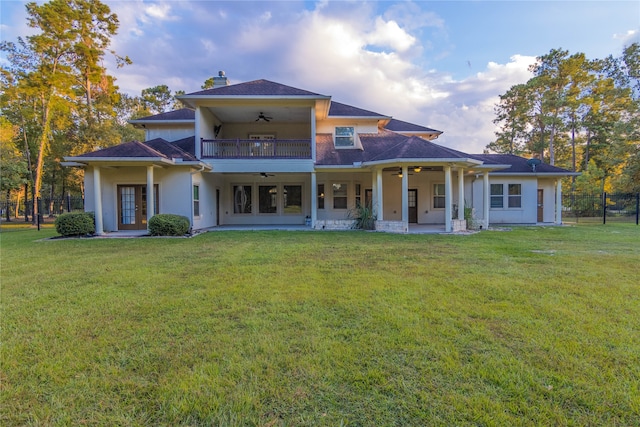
(534, 326)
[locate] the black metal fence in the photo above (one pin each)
(49, 207)
(601, 208)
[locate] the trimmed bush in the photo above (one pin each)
(169, 225)
(75, 224)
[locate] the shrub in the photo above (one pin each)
(75, 224)
(168, 225)
(364, 218)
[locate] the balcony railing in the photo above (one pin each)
(251, 148)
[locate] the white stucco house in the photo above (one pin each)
(263, 153)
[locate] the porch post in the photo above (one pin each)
(405, 195)
(559, 202)
(313, 135)
(485, 196)
(151, 203)
(447, 199)
(314, 200)
(97, 200)
(460, 194)
(380, 207)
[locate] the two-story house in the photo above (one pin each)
(263, 153)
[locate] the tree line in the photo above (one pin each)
(57, 98)
(580, 114)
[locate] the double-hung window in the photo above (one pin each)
(345, 136)
(339, 195)
(196, 200)
(511, 199)
(515, 195)
(497, 196)
(438, 196)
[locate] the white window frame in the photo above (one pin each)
(514, 197)
(346, 196)
(436, 194)
(506, 198)
(340, 137)
(196, 200)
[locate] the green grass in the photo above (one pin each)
(535, 326)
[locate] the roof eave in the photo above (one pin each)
(423, 160)
(154, 122)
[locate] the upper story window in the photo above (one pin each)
(345, 136)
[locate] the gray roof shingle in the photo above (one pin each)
(385, 145)
(338, 109)
(396, 125)
(186, 114)
(135, 149)
(257, 88)
(518, 164)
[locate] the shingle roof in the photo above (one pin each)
(186, 114)
(126, 149)
(257, 88)
(518, 164)
(338, 109)
(385, 145)
(187, 144)
(396, 125)
(135, 149)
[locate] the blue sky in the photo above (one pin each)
(441, 64)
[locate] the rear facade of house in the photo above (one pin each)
(263, 153)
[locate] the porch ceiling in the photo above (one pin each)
(249, 113)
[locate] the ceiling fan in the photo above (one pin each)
(261, 116)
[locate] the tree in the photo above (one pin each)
(49, 73)
(13, 174)
(157, 99)
(512, 119)
(581, 113)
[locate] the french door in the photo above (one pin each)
(132, 206)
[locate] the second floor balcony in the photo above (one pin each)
(252, 148)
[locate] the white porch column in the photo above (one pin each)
(559, 202)
(486, 199)
(374, 191)
(314, 200)
(380, 204)
(460, 193)
(97, 200)
(151, 203)
(447, 199)
(313, 137)
(405, 195)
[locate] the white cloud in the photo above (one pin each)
(390, 34)
(161, 11)
(628, 37)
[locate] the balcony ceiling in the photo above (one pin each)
(248, 114)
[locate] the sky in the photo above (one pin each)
(441, 64)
